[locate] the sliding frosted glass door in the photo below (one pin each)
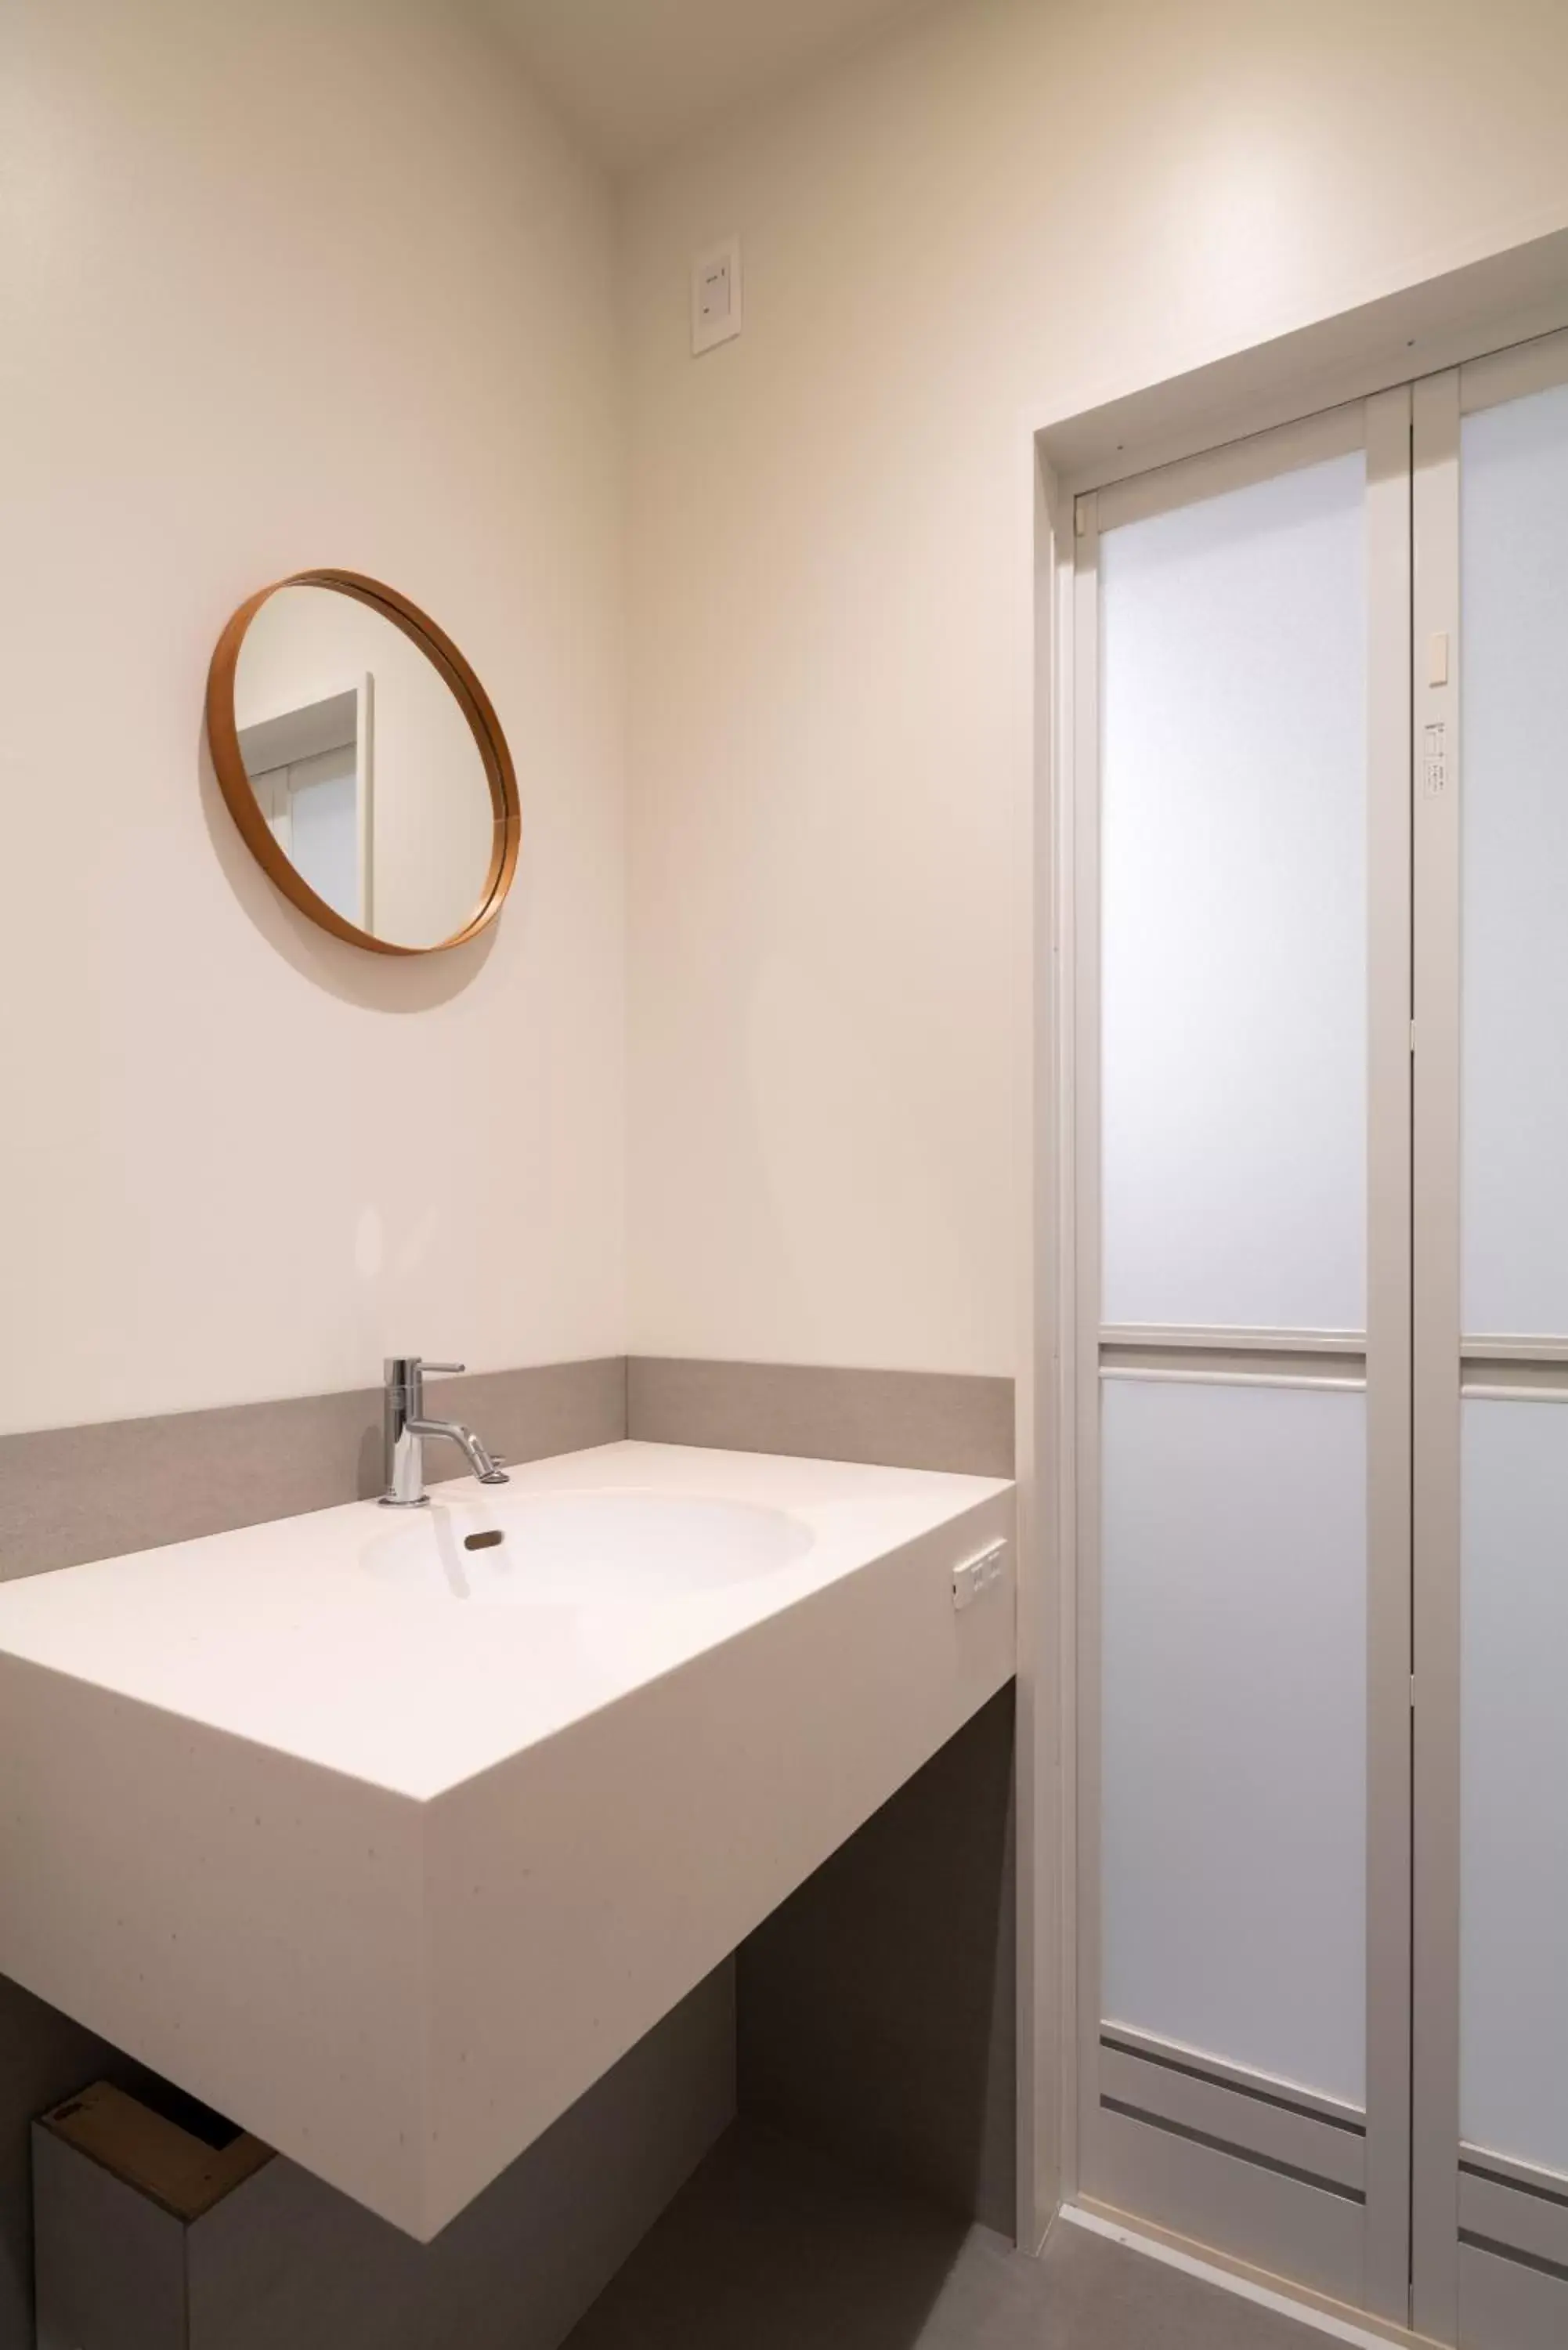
(1319, 842)
(1492, 1953)
(1241, 1111)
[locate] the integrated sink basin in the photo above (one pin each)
(388, 1846)
(581, 1549)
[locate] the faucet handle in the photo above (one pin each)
(441, 1370)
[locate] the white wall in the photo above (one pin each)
(1012, 206)
(297, 285)
(290, 286)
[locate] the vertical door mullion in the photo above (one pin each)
(1436, 1364)
(1388, 1375)
(1087, 1288)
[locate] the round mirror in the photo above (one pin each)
(361, 760)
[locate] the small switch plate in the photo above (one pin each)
(716, 295)
(978, 1574)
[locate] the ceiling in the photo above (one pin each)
(636, 77)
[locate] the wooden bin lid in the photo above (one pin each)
(175, 2167)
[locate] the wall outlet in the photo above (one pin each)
(716, 295)
(978, 1575)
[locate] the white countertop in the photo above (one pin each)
(392, 1878)
(278, 1634)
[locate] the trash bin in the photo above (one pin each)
(121, 2195)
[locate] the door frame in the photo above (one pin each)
(1061, 446)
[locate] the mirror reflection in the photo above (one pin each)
(364, 767)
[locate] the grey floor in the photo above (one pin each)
(773, 2248)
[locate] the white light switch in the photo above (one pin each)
(716, 295)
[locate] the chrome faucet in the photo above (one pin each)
(405, 1427)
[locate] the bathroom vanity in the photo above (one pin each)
(387, 1833)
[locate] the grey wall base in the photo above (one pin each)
(285, 2259)
(68, 1495)
(900, 1419)
(875, 2007)
(72, 1493)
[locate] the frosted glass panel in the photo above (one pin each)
(1514, 1809)
(1514, 582)
(1233, 1797)
(1233, 758)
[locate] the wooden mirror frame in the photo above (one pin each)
(223, 737)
